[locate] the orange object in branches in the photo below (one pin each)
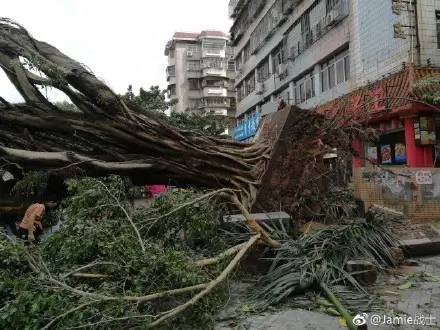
(32, 220)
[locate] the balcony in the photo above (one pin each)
(215, 92)
(214, 52)
(214, 72)
(215, 102)
(217, 112)
(191, 74)
(336, 15)
(214, 83)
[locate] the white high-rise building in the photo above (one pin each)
(200, 73)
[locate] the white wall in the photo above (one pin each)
(428, 31)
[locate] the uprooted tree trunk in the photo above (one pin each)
(107, 137)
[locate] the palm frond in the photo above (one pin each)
(322, 256)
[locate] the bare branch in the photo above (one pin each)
(211, 286)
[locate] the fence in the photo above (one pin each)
(414, 191)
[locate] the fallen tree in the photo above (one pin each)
(106, 136)
(105, 267)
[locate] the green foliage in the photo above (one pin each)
(430, 89)
(198, 224)
(154, 102)
(33, 183)
(322, 256)
(96, 232)
(203, 124)
(153, 99)
(432, 98)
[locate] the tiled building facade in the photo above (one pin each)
(310, 52)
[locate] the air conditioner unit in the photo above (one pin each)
(332, 17)
(189, 53)
(259, 88)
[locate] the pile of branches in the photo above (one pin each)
(318, 261)
(112, 265)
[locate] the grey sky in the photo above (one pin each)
(122, 41)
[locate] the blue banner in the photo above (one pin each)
(247, 128)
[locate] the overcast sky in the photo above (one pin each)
(122, 41)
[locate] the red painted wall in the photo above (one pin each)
(417, 156)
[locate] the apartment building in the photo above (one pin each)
(310, 52)
(201, 72)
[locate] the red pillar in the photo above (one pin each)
(359, 148)
(417, 156)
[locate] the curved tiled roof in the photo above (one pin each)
(383, 98)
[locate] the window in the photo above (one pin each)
(331, 76)
(347, 67)
(324, 80)
(214, 47)
(171, 70)
(195, 49)
(250, 83)
(335, 72)
(240, 92)
(230, 51)
(216, 101)
(193, 65)
(194, 84)
(305, 23)
(263, 71)
(172, 90)
(214, 63)
(214, 82)
(340, 76)
(267, 25)
(437, 19)
(247, 52)
(278, 56)
(305, 89)
(239, 61)
(302, 92)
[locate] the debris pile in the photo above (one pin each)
(111, 264)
